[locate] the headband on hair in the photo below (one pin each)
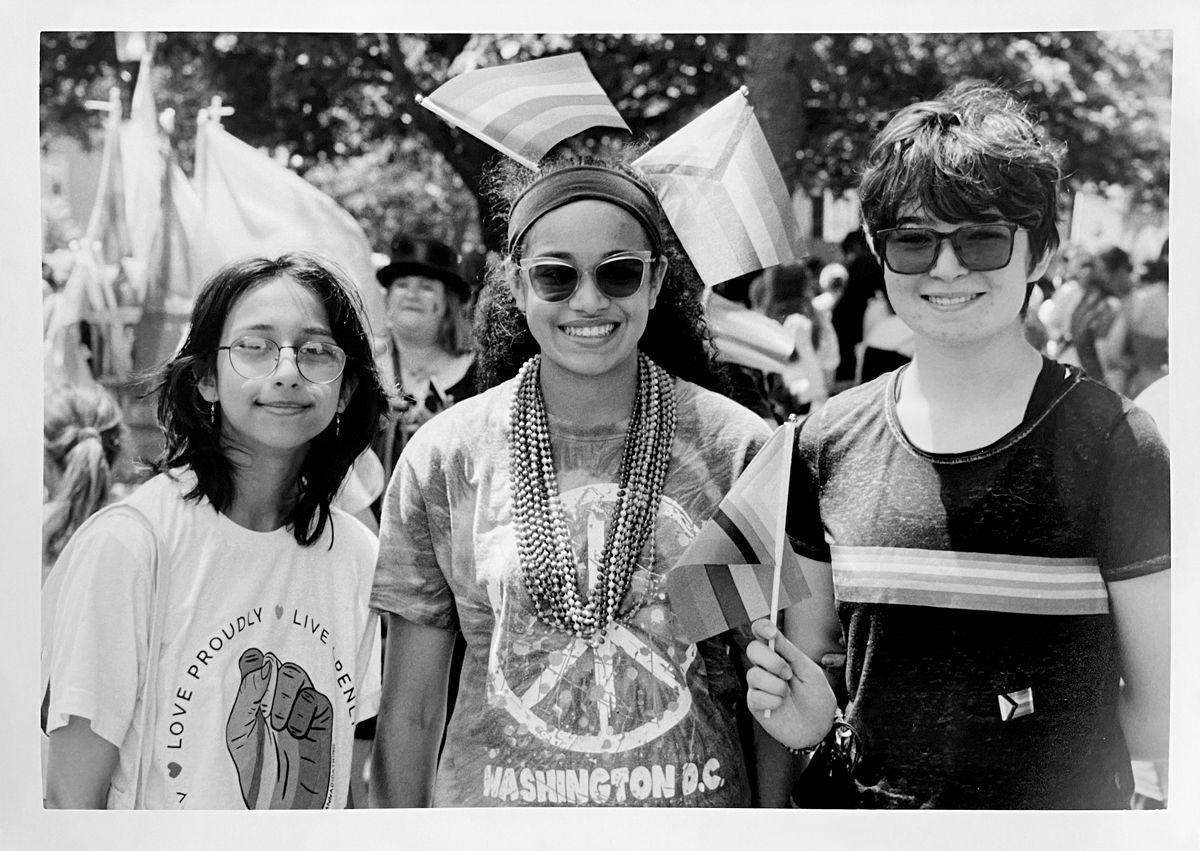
(716, 179)
(576, 183)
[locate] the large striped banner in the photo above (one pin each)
(724, 577)
(980, 581)
(723, 193)
(524, 110)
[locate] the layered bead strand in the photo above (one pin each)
(544, 547)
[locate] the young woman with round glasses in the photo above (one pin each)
(210, 640)
(540, 517)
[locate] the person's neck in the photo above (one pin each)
(590, 400)
(958, 399)
(972, 374)
(421, 359)
(264, 488)
(417, 347)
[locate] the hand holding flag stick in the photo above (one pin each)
(789, 440)
(788, 692)
(722, 581)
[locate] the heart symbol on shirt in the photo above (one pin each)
(278, 612)
(173, 769)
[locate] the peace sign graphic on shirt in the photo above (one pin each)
(591, 696)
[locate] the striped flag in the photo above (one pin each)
(725, 576)
(987, 582)
(747, 337)
(723, 193)
(524, 110)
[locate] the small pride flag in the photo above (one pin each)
(524, 110)
(740, 567)
(723, 193)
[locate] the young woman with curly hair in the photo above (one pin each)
(540, 517)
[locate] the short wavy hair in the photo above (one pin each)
(192, 439)
(970, 154)
(677, 335)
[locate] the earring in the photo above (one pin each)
(337, 424)
(212, 413)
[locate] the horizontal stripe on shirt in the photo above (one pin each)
(981, 581)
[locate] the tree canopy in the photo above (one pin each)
(341, 106)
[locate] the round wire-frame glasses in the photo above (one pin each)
(258, 357)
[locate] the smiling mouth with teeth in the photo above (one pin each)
(950, 301)
(589, 330)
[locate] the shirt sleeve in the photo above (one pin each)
(1134, 524)
(804, 526)
(409, 579)
(370, 671)
(101, 629)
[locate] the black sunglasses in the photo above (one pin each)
(979, 248)
(555, 279)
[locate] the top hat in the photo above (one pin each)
(423, 255)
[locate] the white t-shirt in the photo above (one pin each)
(269, 653)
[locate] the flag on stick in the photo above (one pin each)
(108, 222)
(254, 206)
(723, 193)
(524, 110)
(740, 567)
(144, 152)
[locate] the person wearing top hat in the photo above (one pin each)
(429, 335)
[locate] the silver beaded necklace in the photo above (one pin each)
(544, 547)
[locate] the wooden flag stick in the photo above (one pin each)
(789, 437)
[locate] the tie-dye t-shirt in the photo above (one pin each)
(542, 717)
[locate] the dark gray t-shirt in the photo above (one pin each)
(982, 660)
(543, 717)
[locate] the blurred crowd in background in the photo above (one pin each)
(1093, 309)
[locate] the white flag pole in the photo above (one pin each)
(789, 438)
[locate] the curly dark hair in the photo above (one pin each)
(193, 440)
(677, 336)
(966, 155)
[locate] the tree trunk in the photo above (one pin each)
(781, 68)
(464, 153)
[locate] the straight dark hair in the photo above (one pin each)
(193, 439)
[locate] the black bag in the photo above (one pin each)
(828, 781)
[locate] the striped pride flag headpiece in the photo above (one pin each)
(716, 179)
(723, 193)
(524, 110)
